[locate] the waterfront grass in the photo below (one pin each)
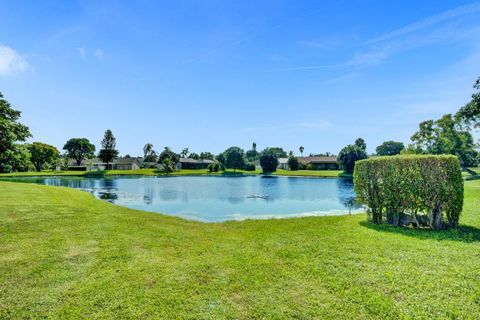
(66, 255)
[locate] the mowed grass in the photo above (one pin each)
(66, 255)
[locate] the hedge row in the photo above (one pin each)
(411, 189)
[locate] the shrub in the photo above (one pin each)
(401, 187)
(268, 162)
(249, 167)
(293, 163)
(214, 167)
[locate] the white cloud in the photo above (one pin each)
(81, 51)
(11, 62)
(98, 53)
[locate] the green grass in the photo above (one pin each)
(66, 255)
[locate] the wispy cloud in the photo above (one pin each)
(81, 51)
(428, 22)
(98, 53)
(438, 28)
(11, 62)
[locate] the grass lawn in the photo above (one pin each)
(64, 254)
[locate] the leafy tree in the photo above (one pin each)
(470, 113)
(390, 148)
(234, 158)
(349, 155)
(43, 155)
(445, 136)
(168, 153)
(11, 131)
(79, 149)
(361, 143)
(221, 158)
(20, 160)
(301, 150)
(251, 155)
(293, 163)
(194, 155)
(207, 156)
(277, 151)
(268, 161)
(108, 152)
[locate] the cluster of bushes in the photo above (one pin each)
(416, 189)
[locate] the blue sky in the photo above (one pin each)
(211, 74)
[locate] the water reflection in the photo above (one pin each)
(219, 198)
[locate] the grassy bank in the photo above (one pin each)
(155, 172)
(64, 255)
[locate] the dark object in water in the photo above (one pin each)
(258, 197)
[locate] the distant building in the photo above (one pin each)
(98, 164)
(283, 163)
(188, 163)
(320, 163)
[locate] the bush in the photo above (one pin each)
(402, 187)
(214, 167)
(268, 162)
(293, 163)
(249, 167)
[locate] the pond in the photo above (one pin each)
(214, 199)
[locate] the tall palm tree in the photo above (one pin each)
(147, 149)
(301, 150)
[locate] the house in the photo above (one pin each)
(127, 163)
(283, 163)
(320, 163)
(98, 164)
(188, 163)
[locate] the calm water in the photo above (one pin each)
(219, 198)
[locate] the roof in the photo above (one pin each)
(125, 160)
(318, 159)
(190, 160)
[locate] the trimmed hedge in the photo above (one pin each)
(411, 189)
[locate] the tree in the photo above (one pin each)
(11, 131)
(251, 155)
(268, 161)
(194, 155)
(108, 152)
(168, 153)
(349, 155)
(79, 149)
(207, 156)
(301, 150)
(149, 155)
(20, 160)
(293, 163)
(168, 165)
(470, 113)
(254, 146)
(445, 136)
(234, 158)
(390, 148)
(361, 144)
(42, 154)
(184, 153)
(277, 151)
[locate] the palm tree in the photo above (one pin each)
(301, 150)
(254, 146)
(147, 149)
(184, 153)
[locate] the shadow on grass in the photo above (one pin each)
(463, 233)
